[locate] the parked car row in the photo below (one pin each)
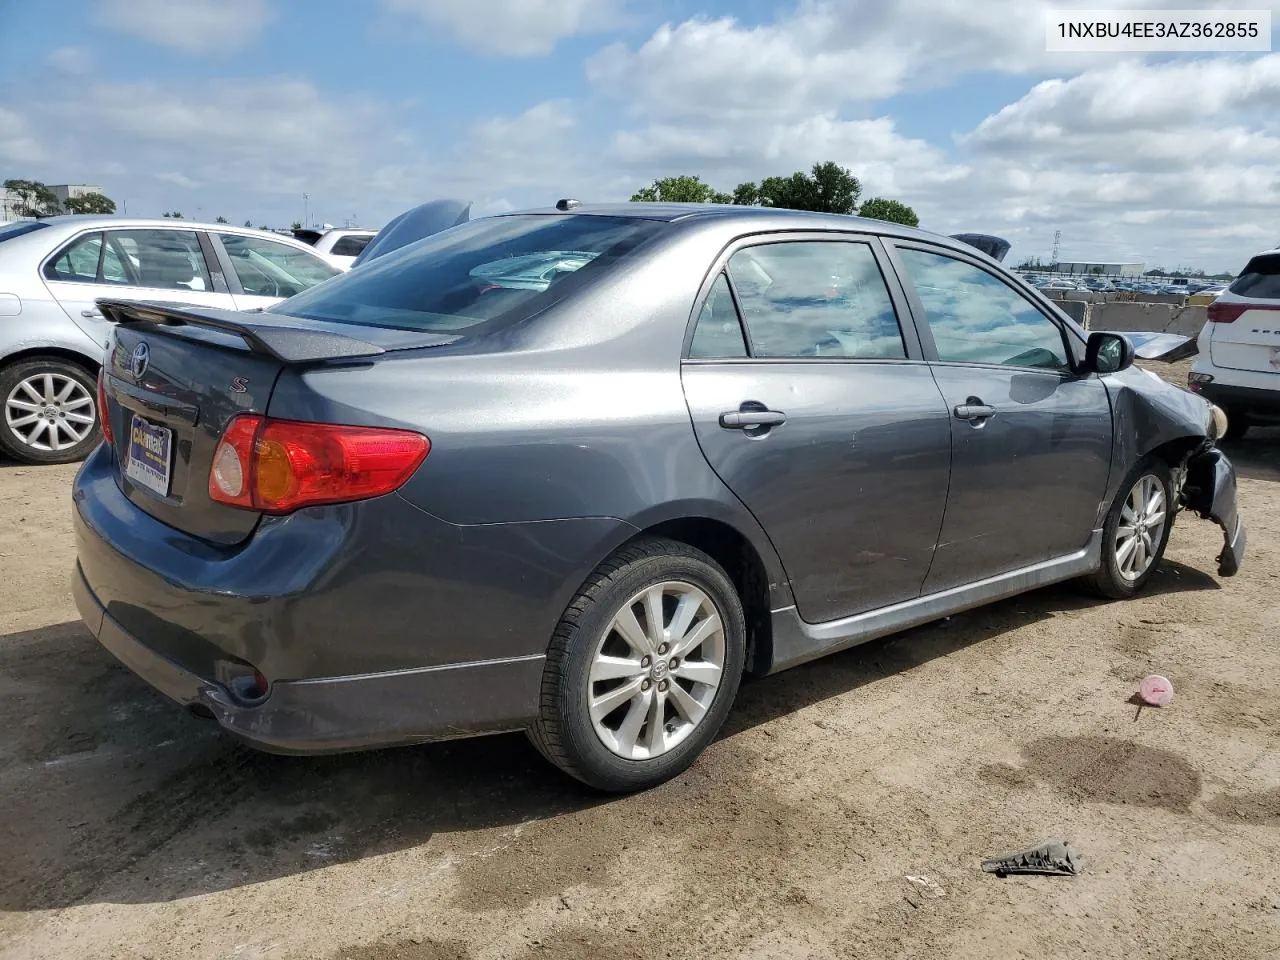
(1175, 286)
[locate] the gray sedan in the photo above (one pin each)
(577, 471)
(52, 333)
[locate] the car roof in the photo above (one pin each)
(67, 225)
(750, 218)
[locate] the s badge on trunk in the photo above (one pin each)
(138, 362)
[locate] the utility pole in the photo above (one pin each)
(306, 199)
(1057, 242)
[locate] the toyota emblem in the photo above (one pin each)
(138, 364)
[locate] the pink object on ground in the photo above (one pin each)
(1156, 690)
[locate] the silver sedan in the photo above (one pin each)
(51, 331)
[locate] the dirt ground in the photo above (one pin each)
(129, 829)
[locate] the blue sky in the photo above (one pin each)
(239, 107)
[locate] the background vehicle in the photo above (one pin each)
(52, 333)
(576, 471)
(1238, 366)
(340, 246)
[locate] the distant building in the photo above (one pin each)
(1103, 269)
(63, 191)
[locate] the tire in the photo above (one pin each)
(1237, 426)
(1112, 579)
(565, 731)
(25, 388)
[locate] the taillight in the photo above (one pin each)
(278, 466)
(1230, 312)
(104, 418)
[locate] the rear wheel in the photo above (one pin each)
(50, 411)
(1136, 531)
(1237, 425)
(643, 668)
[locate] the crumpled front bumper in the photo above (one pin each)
(1210, 491)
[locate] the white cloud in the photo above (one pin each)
(517, 28)
(17, 140)
(191, 26)
(73, 61)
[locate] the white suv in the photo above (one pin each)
(339, 246)
(1238, 366)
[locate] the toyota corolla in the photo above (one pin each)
(577, 471)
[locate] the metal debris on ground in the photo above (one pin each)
(1054, 858)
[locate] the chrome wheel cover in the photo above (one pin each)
(1142, 521)
(655, 670)
(50, 412)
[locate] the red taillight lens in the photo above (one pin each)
(104, 418)
(278, 466)
(1230, 312)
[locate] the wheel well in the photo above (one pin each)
(57, 353)
(742, 563)
(1175, 452)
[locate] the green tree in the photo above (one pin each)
(296, 225)
(34, 198)
(174, 214)
(746, 195)
(682, 189)
(220, 220)
(878, 208)
(90, 203)
(248, 223)
(826, 188)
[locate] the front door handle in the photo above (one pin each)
(749, 418)
(974, 409)
(94, 314)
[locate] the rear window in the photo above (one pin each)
(16, 229)
(493, 272)
(350, 246)
(1260, 278)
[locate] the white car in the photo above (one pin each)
(339, 246)
(1238, 366)
(51, 331)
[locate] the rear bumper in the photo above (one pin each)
(337, 714)
(1249, 400)
(1210, 491)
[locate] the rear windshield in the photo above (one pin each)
(10, 230)
(494, 271)
(1260, 278)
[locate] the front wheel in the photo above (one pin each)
(1136, 531)
(50, 411)
(643, 668)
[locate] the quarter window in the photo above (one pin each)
(976, 318)
(816, 299)
(87, 260)
(270, 269)
(718, 334)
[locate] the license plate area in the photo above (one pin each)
(150, 460)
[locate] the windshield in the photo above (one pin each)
(493, 271)
(10, 230)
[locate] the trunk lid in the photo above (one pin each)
(1250, 342)
(177, 375)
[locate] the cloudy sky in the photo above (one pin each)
(239, 107)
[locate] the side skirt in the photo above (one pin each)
(796, 642)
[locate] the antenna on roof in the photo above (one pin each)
(567, 204)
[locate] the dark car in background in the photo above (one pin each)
(576, 471)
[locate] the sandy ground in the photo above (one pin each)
(128, 829)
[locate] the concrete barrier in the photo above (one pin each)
(1156, 317)
(1077, 311)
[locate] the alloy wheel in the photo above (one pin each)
(656, 670)
(50, 412)
(1141, 527)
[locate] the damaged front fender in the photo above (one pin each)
(1210, 490)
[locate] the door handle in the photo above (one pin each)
(746, 419)
(94, 314)
(974, 409)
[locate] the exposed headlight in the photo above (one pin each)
(1217, 427)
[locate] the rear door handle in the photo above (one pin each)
(744, 419)
(974, 410)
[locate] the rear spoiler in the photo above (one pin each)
(284, 343)
(1164, 347)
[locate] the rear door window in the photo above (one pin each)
(266, 268)
(160, 259)
(1260, 278)
(816, 299)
